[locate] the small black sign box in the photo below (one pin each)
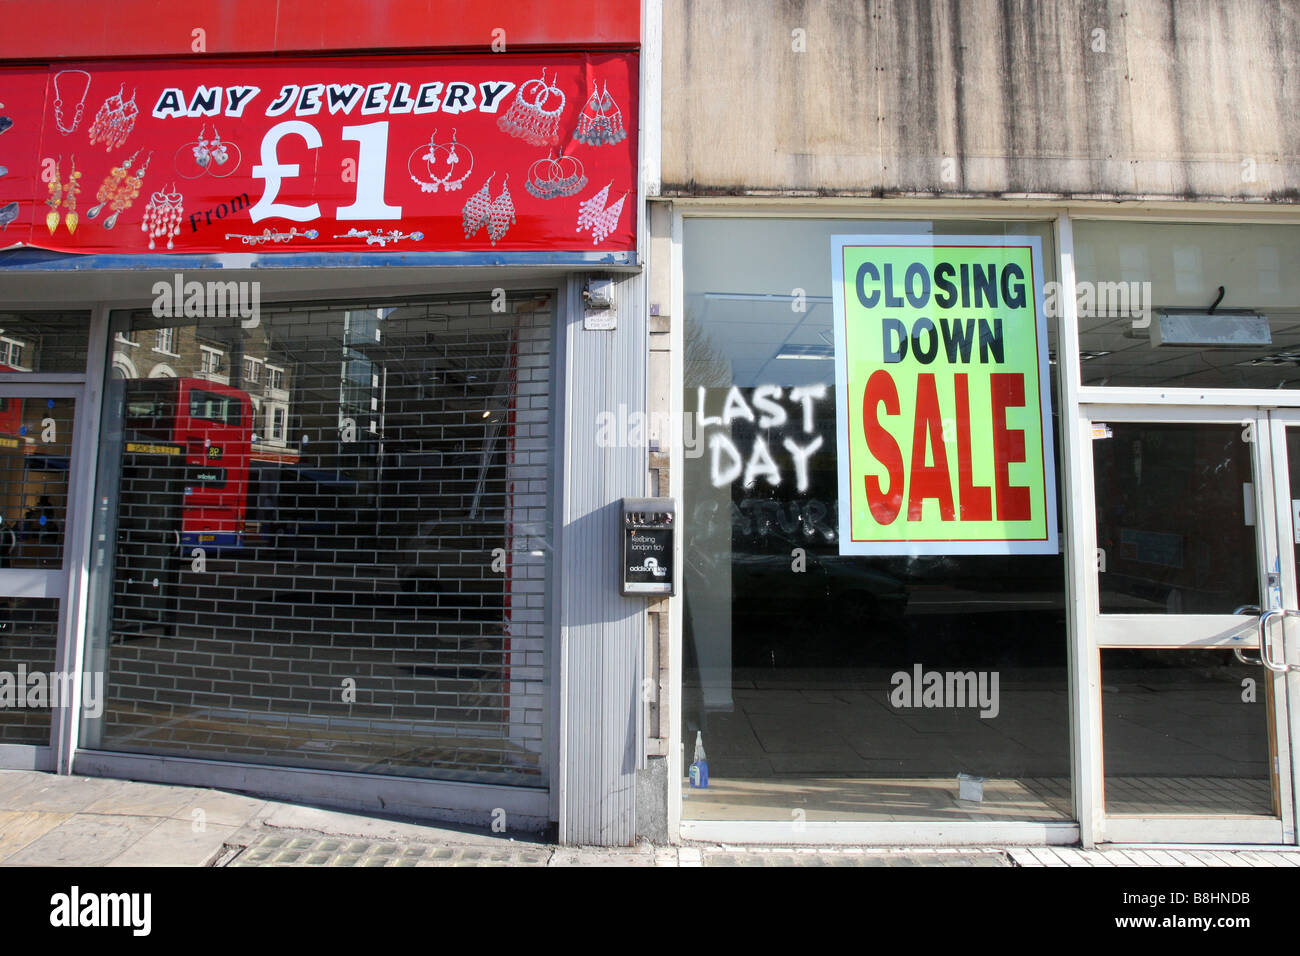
(647, 554)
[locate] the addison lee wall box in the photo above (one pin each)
(647, 566)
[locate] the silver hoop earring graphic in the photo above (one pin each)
(454, 156)
(529, 118)
(551, 177)
(213, 157)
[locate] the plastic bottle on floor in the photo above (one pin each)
(700, 764)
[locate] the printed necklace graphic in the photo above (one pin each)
(59, 82)
(379, 237)
(266, 235)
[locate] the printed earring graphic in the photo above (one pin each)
(593, 214)
(114, 121)
(65, 195)
(209, 156)
(450, 154)
(501, 216)
(529, 119)
(119, 189)
(550, 178)
(162, 216)
(601, 121)
(497, 214)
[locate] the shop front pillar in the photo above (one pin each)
(602, 633)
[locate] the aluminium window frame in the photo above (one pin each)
(1084, 678)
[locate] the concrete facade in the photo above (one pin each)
(988, 98)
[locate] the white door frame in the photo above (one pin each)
(1103, 631)
(52, 582)
(1279, 421)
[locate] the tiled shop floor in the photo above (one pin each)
(1043, 799)
(876, 799)
(359, 745)
(1188, 795)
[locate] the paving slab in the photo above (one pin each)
(18, 828)
(285, 816)
(223, 809)
(143, 800)
(33, 790)
(84, 840)
(176, 843)
(602, 856)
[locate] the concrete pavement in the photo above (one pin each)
(50, 820)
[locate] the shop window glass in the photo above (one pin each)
(43, 341)
(365, 592)
(1151, 313)
(1175, 518)
(29, 630)
(1183, 735)
(795, 657)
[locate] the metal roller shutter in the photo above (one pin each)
(332, 538)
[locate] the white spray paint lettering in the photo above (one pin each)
(726, 460)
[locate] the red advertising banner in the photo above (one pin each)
(413, 154)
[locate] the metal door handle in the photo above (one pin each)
(1248, 609)
(1278, 666)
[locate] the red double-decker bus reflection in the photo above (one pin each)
(207, 428)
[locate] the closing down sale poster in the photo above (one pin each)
(941, 371)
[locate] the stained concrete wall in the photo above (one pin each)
(1184, 99)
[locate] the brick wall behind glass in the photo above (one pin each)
(389, 613)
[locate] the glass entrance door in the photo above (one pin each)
(1193, 711)
(36, 457)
